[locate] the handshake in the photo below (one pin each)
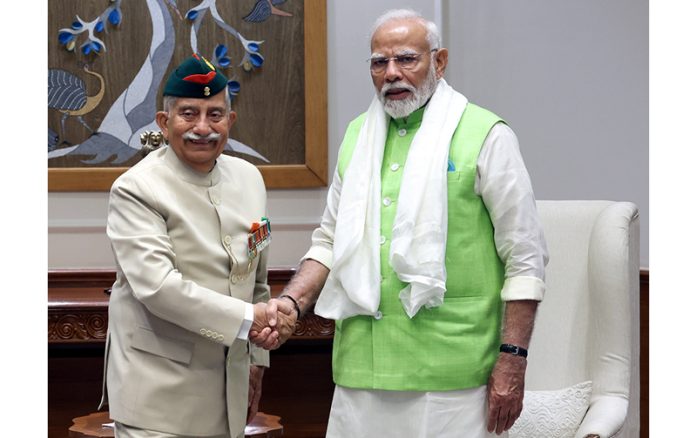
(273, 324)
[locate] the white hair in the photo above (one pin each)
(169, 102)
(432, 32)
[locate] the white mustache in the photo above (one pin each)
(390, 86)
(213, 136)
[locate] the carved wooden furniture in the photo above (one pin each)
(78, 303)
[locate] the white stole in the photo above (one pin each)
(419, 234)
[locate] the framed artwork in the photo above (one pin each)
(108, 61)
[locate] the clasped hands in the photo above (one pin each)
(273, 324)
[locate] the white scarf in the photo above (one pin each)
(419, 234)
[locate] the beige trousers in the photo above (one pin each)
(124, 431)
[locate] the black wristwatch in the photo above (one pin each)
(513, 349)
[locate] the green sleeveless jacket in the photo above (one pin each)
(453, 346)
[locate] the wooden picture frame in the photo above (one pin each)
(312, 173)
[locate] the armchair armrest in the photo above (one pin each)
(604, 417)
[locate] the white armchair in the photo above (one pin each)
(587, 327)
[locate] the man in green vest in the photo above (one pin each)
(430, 255)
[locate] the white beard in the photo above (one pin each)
(398, 109)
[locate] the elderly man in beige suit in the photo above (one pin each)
(188, 230)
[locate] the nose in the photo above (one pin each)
(393, 72)
(202, 125)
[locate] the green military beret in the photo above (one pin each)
(195, 77)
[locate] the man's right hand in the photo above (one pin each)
(274, 323)
(281, 315)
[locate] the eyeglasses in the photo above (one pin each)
(407, 61)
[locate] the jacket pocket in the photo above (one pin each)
(454, 176)
(177, 350)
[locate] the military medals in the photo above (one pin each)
(259, 237)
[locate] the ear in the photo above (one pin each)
(161, 119)
(441, 62)
(232, 118)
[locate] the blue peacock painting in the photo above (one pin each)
(113, 138)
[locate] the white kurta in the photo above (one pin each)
(409, 414)
(504, 184)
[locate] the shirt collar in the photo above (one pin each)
(186, 173)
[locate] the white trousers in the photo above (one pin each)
(409, 414)
(124, 431)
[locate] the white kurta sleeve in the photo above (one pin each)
(323, 237)
(504, 184)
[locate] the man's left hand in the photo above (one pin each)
(505, 392)
(255, 378)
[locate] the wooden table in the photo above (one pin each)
(263, 425)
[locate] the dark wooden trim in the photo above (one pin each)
(644, 353)
(81, 278)
(70, 326)
(106, 277)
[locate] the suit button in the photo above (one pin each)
(208, 333)
(228, 240)
(221, 338)
(203, 331)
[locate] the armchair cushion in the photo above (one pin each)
(553, 414)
